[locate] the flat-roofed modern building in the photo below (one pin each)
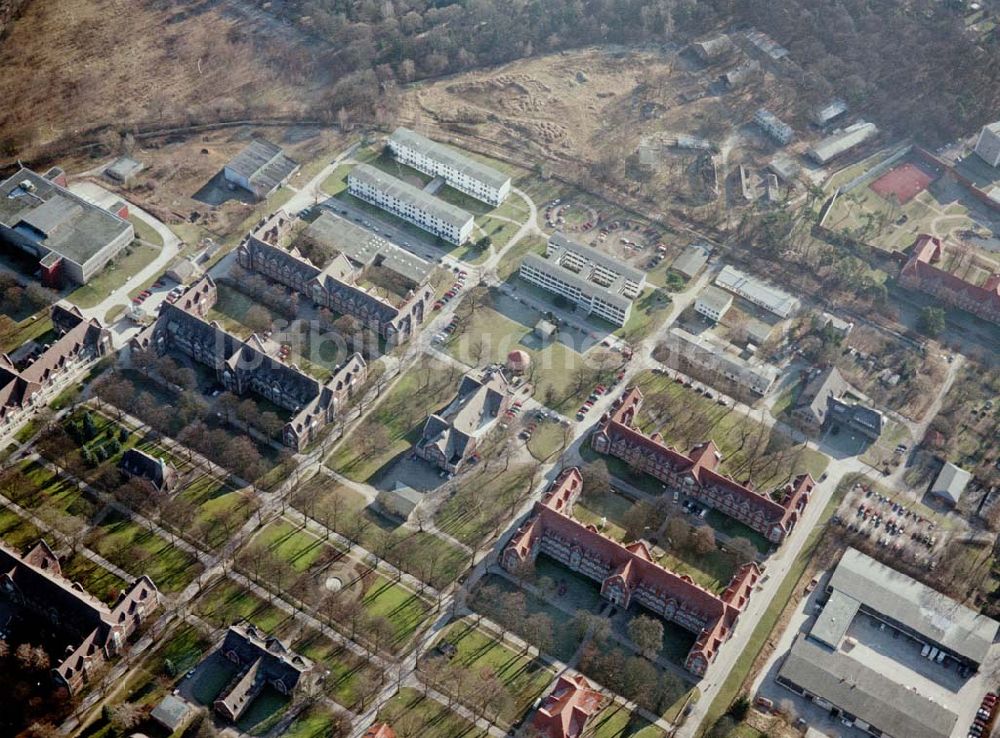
(713, 355)
(862, 584)
(72, 238)
(463, 173)
(586, 277)
(260, 168)
(861, 696)
(405, 201)
(759, 293)
(843, 141)
(774, 126)
(713, 303)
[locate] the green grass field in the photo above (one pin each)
(416, 714)
(129, 263)
(226, 602)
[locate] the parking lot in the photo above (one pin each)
(902, 526)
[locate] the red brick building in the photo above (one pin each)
(920, 273)
(695, 474)
(627, 573)
(380, 730)
(568, 708)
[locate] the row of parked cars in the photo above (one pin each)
(983, 721)
(452, 293)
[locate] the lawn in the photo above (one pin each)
(614, 721)
(565, 639)
(511, 261)
(489, 336)
(423, 389)
(525, 678)
(547, 440)
(424, 555)
(17, 532)
(405, 611)
(316, 721)
(117, 272)
(414, 714)
(300, 548)
(185, 647)
(337, 181)
(484, 501)
(686, 418)
(349, 678)
(144, 231)
(139, 551)
(56, 500)
(95, 579)
(31, 328)
(227, 602)
(222, 510)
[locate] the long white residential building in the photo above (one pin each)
(434, 215)
(463, 173)
(587, 277)
(759, 293)
(708, 352)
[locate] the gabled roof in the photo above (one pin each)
(264, 165)
(568, 708)
(920, 267)
(471, 413)
(449, 157)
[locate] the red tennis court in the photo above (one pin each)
(905, 182)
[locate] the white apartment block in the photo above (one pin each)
(458, 170)
(713, 303)
(586, 277)
(405, 201)
(988, 145)
(774, 126)
(759, 293)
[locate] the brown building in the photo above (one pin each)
(380, 730)
(357, 279)
(156, 471)
(95, 632)
(247, 367)
(628, 574)
(25, 386)
(920, 273)
(695, 474)
(263, 661)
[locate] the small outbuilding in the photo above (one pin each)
(518, 362)
(123, 170)
(400, 501)
(545, 330)
(172, 713)
(950, 483)
(184, 271)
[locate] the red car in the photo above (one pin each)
(438, 305)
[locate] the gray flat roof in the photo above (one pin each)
(691, 260)
(562, 241)
(832, 623)
(401, 190)
(453, 158)
(864, 693)
(364, 247)
(56, 218)
(715, 298)
(929, 613)
(570, 277)
(772, 298)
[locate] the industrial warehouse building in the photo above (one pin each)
(586, 277)
(841, 142)
(434, 215)
(73, 239)
(260, 168)
(466, 175)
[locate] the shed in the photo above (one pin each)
(400, 501)
(183, 271)
(545, 330)
(123, 169)
(172, 712)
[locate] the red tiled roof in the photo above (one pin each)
(565, 712)
(700, 463)
(920, 269)
(380, 730)
(634, 564)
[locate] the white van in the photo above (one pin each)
(933, 654)
(925, 650)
